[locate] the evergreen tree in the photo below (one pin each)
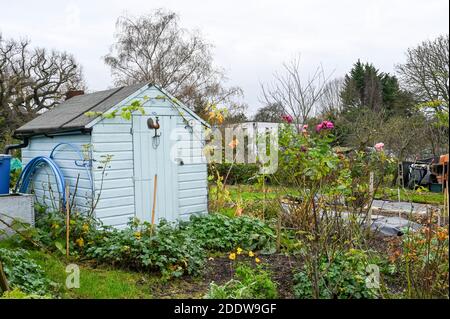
(366, 87)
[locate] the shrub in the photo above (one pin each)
(342, 277)
(167, 249)
(261, 208)
(422, 261)
(248, 283)
(23, 273)
(216, 232)
(239, 173)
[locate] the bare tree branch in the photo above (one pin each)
(426, 70)
(297, 94)
(32, 81)
(154, 48)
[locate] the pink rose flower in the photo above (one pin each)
(325, 125)
(287, 118)
(379, 147)
(319, 127)
(329, 125)
(305, 128)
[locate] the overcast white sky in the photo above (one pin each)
(251, 38)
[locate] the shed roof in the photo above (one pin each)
(70, 114)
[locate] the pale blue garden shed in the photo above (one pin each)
(110, 163)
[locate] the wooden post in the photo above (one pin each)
(445, 212)
(371, 194)
(278, 242)
(155, 186)
(67, 221)
(4, 286)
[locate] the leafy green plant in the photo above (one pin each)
(217, 232)
(173, 249)
(50, 231)
(23, 273)
(342, 276)
(248, 283)
(124, 112)
(165, 248)
(16, 293)
(14, 176)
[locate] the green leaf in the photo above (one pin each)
(60, 246)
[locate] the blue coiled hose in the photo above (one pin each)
(27, 173)
(84, 163)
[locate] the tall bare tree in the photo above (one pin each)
(426, 75)
(331, 101)
(32, 80)
(426, 70)
(154, 48)
(296, 92)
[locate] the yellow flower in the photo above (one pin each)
(80, 242)
(55, 226)
(257, 260)
(137, 235)
(219, 118)
(239, 250)
(251, 254)
(85, 228)
(232, 256)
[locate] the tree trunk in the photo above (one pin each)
(4, 286)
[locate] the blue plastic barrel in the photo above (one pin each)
(5, 161)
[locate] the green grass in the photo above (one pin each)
(110, 283)
(248, 193)
(407, 195)
(100, 283)
(253, 192)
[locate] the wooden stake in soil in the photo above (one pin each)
(67, 221)
(4, 286)
(371, 194)
(278, 243)
(155, 185)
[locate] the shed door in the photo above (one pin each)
(152, 158)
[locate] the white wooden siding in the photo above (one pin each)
(192, 177)
(184, 190)
(65, 157)
(114, 184)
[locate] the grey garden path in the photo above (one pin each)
(403, 207)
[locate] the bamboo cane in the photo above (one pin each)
(371, 194)
(155, 185)
(67, 221)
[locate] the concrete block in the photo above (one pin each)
(16, 207)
